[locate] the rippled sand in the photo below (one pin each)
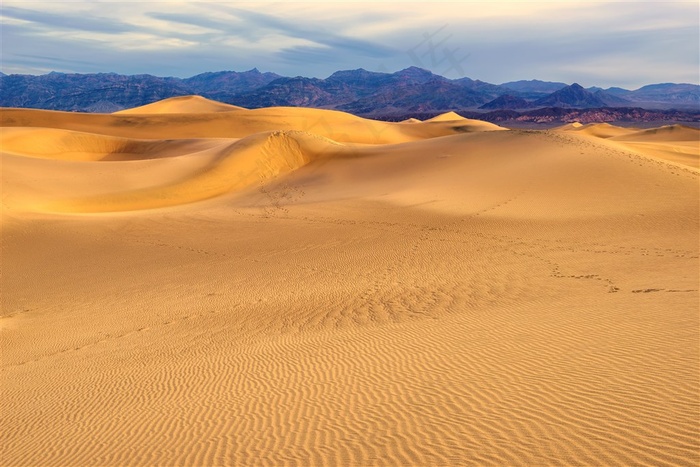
(192, 283)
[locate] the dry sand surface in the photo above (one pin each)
(191, 283)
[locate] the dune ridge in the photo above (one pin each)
(190, 285)
(677, 144)
(181, 104)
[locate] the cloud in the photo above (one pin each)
(47, 20)
(599, 43)
(314, 32)
(205, 23)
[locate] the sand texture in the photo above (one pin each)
(195, 284)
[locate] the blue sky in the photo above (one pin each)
(625, 44)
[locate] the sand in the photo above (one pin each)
(192, 283)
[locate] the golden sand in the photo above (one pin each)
(192, 283)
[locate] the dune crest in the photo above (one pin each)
(224, 152)
(663, 134)
(447, 117)
(338, 126)
(233, 166)
(599, 130)
(181, 104)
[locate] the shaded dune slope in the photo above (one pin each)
(339, 126)
(250, 154)
(50, 143)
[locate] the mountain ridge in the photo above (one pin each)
(363, 92)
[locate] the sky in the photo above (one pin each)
(622, 43)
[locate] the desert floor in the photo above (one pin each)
(192, 283)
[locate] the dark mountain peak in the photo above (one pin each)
(351, 75)
(296, 79)
(610, 99)
(466, 80)
(228, 73)
(506, 101)
(617, 91)
(571, 96)
(534, 86)
(415, 72)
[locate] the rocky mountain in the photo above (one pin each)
(611, 100)
(534, 86)
(224, 85)
(294, 92)
(574, 96)
(79, 92)
(358, 91)
(666, 93)
(506, 101)
(487, 89)
(443, 95)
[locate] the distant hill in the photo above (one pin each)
(359, 91)
(506, 101)
(666, 93)
(534, 85)
(224, 85)
(574, 96)
(87, 93)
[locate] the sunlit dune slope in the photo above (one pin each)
(283, 286)
(249, 156)
(678, 144)
(182, 104)
(599, 130)
(215, 168)
(447, 117)
(339, 126)
(669, 133)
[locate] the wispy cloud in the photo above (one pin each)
(602, 43)
(49, 20)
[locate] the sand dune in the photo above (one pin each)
(446, 117)
(183, 104)
(338, 126)
(601, 130)
(49, 143)
(663, 134)
(214, 171)
(183, 286)
(677, 144)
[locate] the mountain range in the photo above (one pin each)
(361, 92)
